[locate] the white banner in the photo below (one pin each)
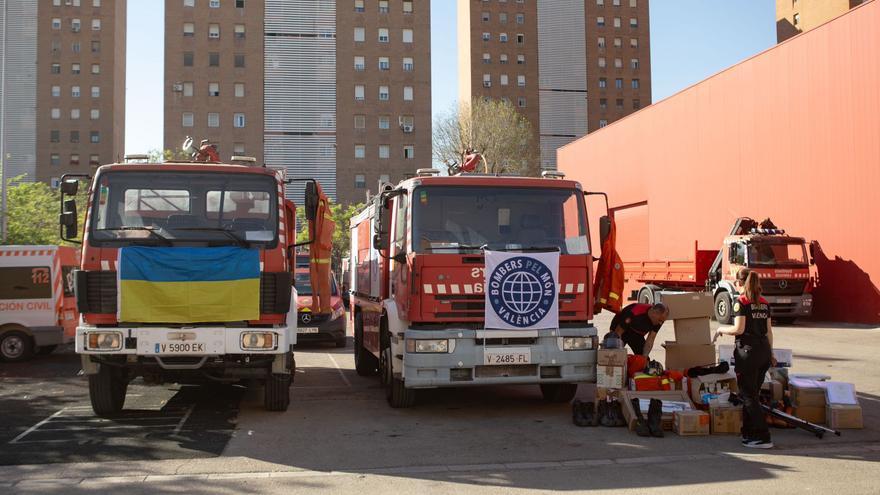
(521, 290)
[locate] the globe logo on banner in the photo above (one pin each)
(521, 290)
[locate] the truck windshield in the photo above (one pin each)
(777, 253)
(466, 218)
(166, 208)
(303, 284)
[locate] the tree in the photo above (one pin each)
(341, 235)
(160, 156)
(32, 210)
(494, 128)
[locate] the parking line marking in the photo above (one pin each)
(32, 428)
(183, 419)
(339, 369)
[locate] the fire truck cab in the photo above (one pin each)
(418, 281)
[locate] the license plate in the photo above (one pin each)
(783, 300)
(307, 330)
(510, 355)
(180, 348)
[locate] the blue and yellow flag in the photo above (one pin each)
(188, 285)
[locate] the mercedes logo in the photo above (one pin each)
(305, 318)
(783, 284)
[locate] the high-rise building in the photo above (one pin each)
(63, 85)
(335, 91)
(796, 16)
(569, 66)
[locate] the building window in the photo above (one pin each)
(74, 159)
(617, 43)
(359, 34)
(600, 21)
(55, 159)
(637, 104)
(359, 63)
(407, 35)
(487, 81)
(96, 24)
(56, 23)
(603, 83)
(75, 46)
(189, 3)
(239, 31)
(56, 68)
(187, 89)
(360, 181)
(214, 31)
(407, 64)
(75, 25)
(238, 148)
(213, 89)
(239, 4)
(96, 47)
(407, 7)
(189, 29)
(213, 119)
(634, 42)
(520, 60)
(384, 94)
(214, 4)
(409, 152)
(56, 46)
(74, 69)
(383, 35)
(359, 92)
(239, 90)
(600, 3)
(521, 101)
(94, 137)
(601, 61)
(214, 59)
(617, 22)
(74, 114)
(56, 91)
(407, 122)
(634, 63)
(502, 37)
(358, 5)
(487, 36)
(238, 120)
(96, 68)
(635, 84)
(74, 91)
(618, 83)
(603, 103)
(521, 81)
(502, 18)
(94, 114)
(520, 18)
(384, 63)
(239, 60)
(360, 151)
(601, 42)
(502, 59)
(487, 59)
(384, 151)
(618, 63)
(383, 6)
(632, 3)
(603, 122)
(384, 122)
(187, 59)
(54, 136)
(616, 3)
(619, 103)
(520, 39)
(633, 22)
(360, 121)
(74, 137)
(94, 160)
(96, 91)
(485, 17)
(407, 93)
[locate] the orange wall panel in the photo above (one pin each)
(792, 133)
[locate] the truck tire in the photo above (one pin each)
(398, 396)
(45, 350)
(723, 308)
(340, 343)
(648, 294)
(16, 346)
(365, 363)
(107, 390)
(559, 392)
(277, 393)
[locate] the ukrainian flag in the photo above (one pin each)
(188, 285)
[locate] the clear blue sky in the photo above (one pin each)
(690, 40)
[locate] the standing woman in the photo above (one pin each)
(753, 355)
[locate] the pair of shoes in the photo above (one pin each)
(583, 413)
(757, 444)
(642, 429)
(655, 412)
(603, 414)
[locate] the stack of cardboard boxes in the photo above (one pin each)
(816, 402)
(690, 312)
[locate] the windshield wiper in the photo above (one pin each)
(529, 249)
(238, 240)
(151, 230)
(456, 246)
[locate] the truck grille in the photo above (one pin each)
(782, 287)
(275, 292)
(509, 370)
(95, 291)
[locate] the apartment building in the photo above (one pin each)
(570, 66)
(63, 86)
(796, 16)
(214, 75)
(334, 91)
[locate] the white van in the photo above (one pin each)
(37, 304)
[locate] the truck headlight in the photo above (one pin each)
(437, 346)
(576, 343)
(258, 340)
(807, 302)
(103, 341)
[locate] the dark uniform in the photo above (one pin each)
(636, 325)
(752, 355)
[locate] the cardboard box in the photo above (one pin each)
(611, 376)
(780, 375)
(688, 304)
(807, 396)
(691, 423)
(783, 356)
(841, 416)
(684, 356)
(775, 389)
(813, 414)
(603, 393)
(611, 357)
(726, 420)
(667, 419)
(693, 330)
(700, 385)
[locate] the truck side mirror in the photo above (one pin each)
(813, 253)
(381, 236)
(604, 228)
(311, 200)
(69, 187)
(68, 219)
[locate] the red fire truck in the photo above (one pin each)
(418, 284)
(186, 275)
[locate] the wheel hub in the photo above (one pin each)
(12, 347)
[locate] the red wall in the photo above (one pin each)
(792, 133)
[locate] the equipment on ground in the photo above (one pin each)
(794, 421)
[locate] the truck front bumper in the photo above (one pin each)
(183, 341)
(465, 363)
(791, 306)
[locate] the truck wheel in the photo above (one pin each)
(277, 394)
(723, 308)
(46, 349)
(559, 392)
(646, 296)
(16, 346)
(399, 397)
(340, 343)
(107, 390)
(365, 363)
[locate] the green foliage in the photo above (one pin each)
(32, 212)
